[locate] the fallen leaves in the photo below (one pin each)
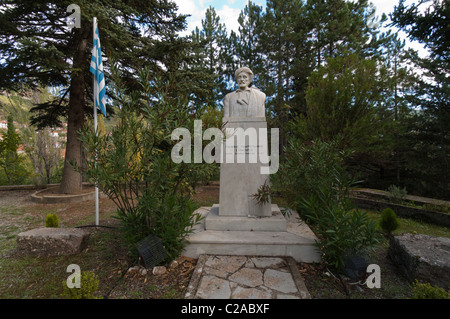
(145, 284)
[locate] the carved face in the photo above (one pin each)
(243, 80)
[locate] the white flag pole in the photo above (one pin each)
(95, 130)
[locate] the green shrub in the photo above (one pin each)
(150, 189)
(427, 291)
(169, 217)
(51, 220)
(341, 229)
(396, 194)
(316, 184)
(388, 221)
(88, 286)
(310, 169)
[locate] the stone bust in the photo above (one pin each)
(247, 101)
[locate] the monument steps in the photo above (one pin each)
(296, 240)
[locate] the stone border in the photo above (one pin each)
(196, 276)
(192, 288)
(299, 282)
(379, 194)
(51, 199)
(7, 188)
(437, 218)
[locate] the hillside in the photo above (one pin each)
(18, 104)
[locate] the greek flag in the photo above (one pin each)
(97, 69)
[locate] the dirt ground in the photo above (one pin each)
(121, 277)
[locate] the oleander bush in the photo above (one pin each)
(317, 186)
(133, 163)
(340, 228)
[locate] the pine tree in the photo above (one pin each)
(11, 162)
(398, 78)
(248, 42)
(428, 135)
(342, 99)
(293, 38)
(278, 56)
(39, 49)
(212, 45)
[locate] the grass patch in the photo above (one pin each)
(11, 211)
(414, 226)
(28, 277)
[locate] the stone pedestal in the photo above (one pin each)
(240, 172)
(275, 222)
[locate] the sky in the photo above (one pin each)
(228, 11)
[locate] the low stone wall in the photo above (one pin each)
(383, 195)
(436, 218)
(6, 188)
(38, 197)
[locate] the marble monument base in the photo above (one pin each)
(277, 235)
(240, 172)
(276, 222)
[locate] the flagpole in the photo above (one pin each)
(95, 129)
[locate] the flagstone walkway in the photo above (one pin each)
(244, 277)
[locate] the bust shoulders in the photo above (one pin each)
(257, 91)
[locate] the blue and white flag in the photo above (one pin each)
(97, 69)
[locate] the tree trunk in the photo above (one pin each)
(71, 181)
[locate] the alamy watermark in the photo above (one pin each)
(374, 279)
(235, 145)
(74, 20)
(74, 280)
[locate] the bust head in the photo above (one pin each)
(243, 77)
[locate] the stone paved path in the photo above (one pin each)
(245, 277)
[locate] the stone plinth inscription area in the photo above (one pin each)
(240, 173)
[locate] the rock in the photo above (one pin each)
(159, 270)
(49, 241)
(143, 271)
(174, 264)
(422, 257)
(285, 296)
(133, 269)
